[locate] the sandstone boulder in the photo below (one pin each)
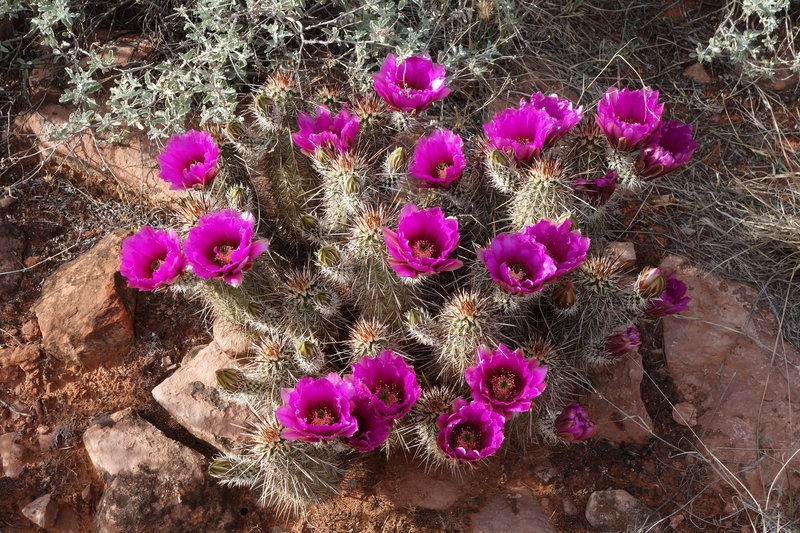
(85, 312)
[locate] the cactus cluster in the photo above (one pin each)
(423, 290)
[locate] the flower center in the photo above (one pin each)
(423, 249)
(517, 273)
(156, 264)
(389, 394)
(222, 254)
(193, 162)
(441, 170)
(320, 417)
(466, 436)
(503, 385)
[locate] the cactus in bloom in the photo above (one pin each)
(422, 288)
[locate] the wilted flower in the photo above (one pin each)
(622, 343)
(411, 86)
(470, 431)
(671, 301)
(598, 190)
(222, 245)
(373, 429)
(560, 109)
(423, 240)
(317, 409)
(523, 131)
(189, 160)
(438, 159)
(668, 148)
(504, 380)
(325, 131)
(650, 283)
(152, 258)
(517, 263)
(390, 383)
(628, 117)
(567, 248)
(573, 424)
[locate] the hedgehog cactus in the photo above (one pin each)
(437, 290)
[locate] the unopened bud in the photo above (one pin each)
(229, 379)
(308, 222)
(415, 317)
(650, 283)
(262, 103)
(220, 467)
(234, 128)
(323, 298)
(352, 185)
(328, 256)
(568, 216)
(499, 158)
(564, 295)
(396, 162)
(307, 350)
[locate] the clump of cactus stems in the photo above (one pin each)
(424, 295)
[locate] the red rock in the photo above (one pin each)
(26, 357)
(7, 202)
(624, 252)
(131, 165)
(721, 361)
(85, 312)
(30, 330)
(67, 521)
(697, 73)
(516, 511)
(616, 406)
(408, 486)
(190, 396)
(231, 339)
(685, 414)
(153, 483)
(42, 511)
(14, 455)
(616, 510)
(12, 247)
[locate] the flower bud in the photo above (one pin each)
(396, 161)
(651, 283)
(416, 317)
(234, 129)
(499, 158)
(568, 216)
(573, 424)
(622, 343)
(220, 467)
(564, 295)
(262, 102)
(352, 184)
(328, 256)
(323, 298)
(307, 350)
(308, 222)
(229, 379)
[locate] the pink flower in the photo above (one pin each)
(667, 149)
(189, 160)
(317, 409)
(324, 131)
(152, 258)
(567, 248)
(628, 117)
(389, 382)
(598, 190)
(523, 132)
(560, 110)
(423, 240)
(573, 424)
(438, 159)
(470, 431)
(373, 429)
(222, 245)
(411, 86)
(517, 263)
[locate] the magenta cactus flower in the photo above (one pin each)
(560, 109)
(622, 343)
(470, 431)
(373, 429)
(567, 248)
(423, 240)
(671, 301)
(438, 159)
(573, 424)
(523, 132)
(411, 86)
(598, 190)
(628, 117)
(504, 380)
(667, 149)
(222, 245)
(189, 160)
(325, 131)
(390, 383)
(317, 409)
(152, 258)
(517, 263)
